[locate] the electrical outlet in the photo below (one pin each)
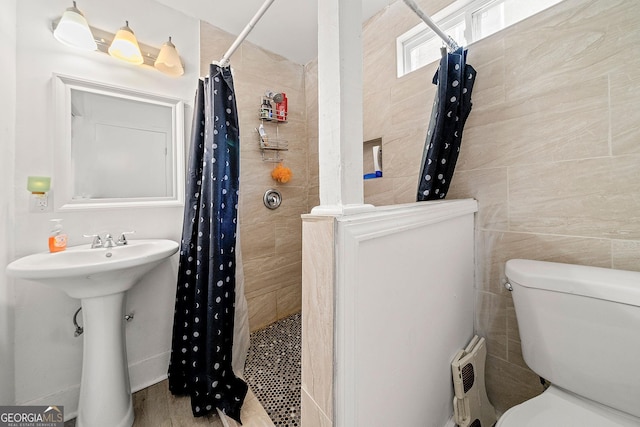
(39, 203)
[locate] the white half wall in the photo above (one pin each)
(48, 358)
(404, 304)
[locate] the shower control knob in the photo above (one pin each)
(272, 199)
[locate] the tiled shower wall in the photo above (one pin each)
(551, 151)
(271, 240)
(311, 95)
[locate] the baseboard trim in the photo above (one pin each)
(142, 374)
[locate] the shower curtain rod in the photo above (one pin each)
(224, 61)
(446, 38)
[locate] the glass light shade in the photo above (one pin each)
(38, 184)
(73, 30)
(168, 60)
(125, 46)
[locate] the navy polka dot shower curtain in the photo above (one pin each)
(451, 108)
(203, 326)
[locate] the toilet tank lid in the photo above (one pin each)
(595, 282)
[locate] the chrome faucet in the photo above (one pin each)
(122, 240)
(96, 242)
(108, 241)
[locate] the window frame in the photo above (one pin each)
(458, 11)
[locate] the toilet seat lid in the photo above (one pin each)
(557, 408)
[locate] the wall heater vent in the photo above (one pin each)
(471, 405)
(468, 375)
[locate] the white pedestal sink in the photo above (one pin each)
(99, 278)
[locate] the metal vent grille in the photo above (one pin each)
(468, 377)
(471, 406)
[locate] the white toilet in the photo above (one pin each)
(580, 330)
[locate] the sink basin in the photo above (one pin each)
(99, 278)
(82, 272)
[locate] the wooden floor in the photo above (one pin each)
(155, 406)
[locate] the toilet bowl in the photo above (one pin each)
(579, 329)
(558, 408)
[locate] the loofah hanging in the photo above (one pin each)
(281, 173)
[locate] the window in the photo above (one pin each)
(466, 21)
(424, 47)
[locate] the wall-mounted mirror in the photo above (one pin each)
(116, 147)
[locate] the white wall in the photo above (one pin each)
(404, 307)
(7, 145)
(48, 357)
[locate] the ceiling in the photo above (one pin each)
(289, 28)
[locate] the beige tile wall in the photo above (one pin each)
(551, 150)
(318, 270)
(311, 94)
(271, 239)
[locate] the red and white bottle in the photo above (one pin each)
(282, 109)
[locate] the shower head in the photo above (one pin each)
(277, 98)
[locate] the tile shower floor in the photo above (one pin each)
(273, 369)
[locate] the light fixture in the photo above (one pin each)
(73, 30)
(125, 46)
(168, 60)
(38, 184)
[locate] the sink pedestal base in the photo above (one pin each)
(105, 392)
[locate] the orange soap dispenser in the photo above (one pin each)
(57, 238)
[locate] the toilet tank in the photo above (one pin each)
(580, 328)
